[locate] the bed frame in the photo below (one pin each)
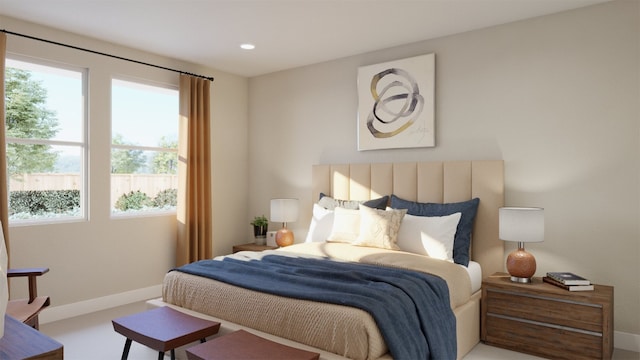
(438, 182)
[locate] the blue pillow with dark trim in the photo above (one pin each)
(462, 239)
(330, 203)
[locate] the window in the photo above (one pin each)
(144, 148)
(45, 122)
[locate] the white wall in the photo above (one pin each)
(556, 97)
(103, 262)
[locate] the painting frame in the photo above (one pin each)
(396, 104)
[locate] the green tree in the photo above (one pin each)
(125, 161)
(165, 162)
(28, 118)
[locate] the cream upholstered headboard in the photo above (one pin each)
(437, 182)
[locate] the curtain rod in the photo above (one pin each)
(105, 54)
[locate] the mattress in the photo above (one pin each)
(342, 330)
(475, 275)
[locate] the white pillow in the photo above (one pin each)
(321, 224)
(379, 228)
(429, 235)
(346, 225)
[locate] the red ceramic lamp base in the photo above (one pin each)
(284, 237)
(521, 265)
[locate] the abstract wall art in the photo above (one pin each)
(396, 104)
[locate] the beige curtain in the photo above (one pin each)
(4, 196)
(4, 204)
(194, 172)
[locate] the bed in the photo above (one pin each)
(334, 329)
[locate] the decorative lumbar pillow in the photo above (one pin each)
(379, 228)
(346, 225)
(429, 235)
(330, 203)
(321, 224)
(462, 240)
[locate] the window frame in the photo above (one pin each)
(112, 146)
(82, 144)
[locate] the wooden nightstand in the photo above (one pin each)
(252, 247)
(545, 320)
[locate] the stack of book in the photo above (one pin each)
(568, 281)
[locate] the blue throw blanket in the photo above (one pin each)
(411, 308)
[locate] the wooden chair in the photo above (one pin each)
(27, 310)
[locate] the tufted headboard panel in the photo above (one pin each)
(437, 182)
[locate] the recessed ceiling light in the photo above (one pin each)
(248, 46)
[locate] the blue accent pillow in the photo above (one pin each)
(462, 240)
(330, 203)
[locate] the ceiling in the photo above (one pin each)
(286, 33)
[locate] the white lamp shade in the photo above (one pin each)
(284, 210)
(521, 224)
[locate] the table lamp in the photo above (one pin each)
(284, 211)
(521, 224)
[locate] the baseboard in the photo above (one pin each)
(626, 341)
(55, 313)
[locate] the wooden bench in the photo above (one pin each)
(245, 345)
(21, 341)
(163, 329)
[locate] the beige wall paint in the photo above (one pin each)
(104, 257)
(556, 97)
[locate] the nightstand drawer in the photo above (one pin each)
(540, 308)
(543, 339)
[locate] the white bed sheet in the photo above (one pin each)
(475, 275)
